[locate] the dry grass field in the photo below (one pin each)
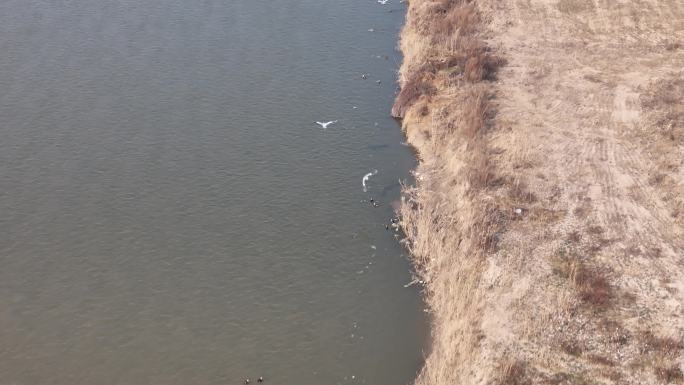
(547, 220)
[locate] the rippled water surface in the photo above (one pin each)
(170, 214)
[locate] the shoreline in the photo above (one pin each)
(547, 215)
(443, 217)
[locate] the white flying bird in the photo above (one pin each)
(383, 2)
(365, 179)
(326, 124)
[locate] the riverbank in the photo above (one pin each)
(547, 220)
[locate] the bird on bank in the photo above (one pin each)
(326, 124)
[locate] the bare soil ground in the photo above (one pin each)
(548, 217)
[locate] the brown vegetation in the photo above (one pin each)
(670, 374)
(512, 373)
(547, 218)
(592, 285)
(668, 346)
(450, 26)
(448, 66)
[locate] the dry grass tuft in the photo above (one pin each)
(615, 331)
(474, 114)
(520, 193)
(575, 6)
(670, 374)
(571, 347)
(591, 284)
(668, 346)
(663, 105)
(600, 360)
(482, 65)
(574, 237)
(420, 84)
(489, 226)
(664, 100)
(451, 29)
(546, 216)
(673, 46)
(481, 171)
(563, 378)
(593, 287)
(449, 19)
(512, 373)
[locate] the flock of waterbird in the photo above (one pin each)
(324, 125)
(365, 178)
(394, 222)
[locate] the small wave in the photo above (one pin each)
(365, 179)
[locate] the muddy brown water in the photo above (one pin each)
(172, 215)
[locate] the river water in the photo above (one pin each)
(171, 214)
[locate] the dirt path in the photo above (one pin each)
(596, 88)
